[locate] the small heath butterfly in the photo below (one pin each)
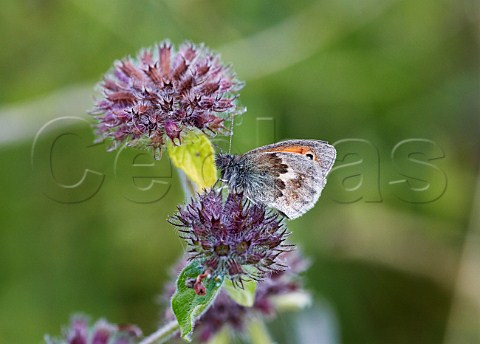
(288, 176)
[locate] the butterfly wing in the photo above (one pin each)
(323, 152)
(289, 175)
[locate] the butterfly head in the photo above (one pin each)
(228, 165)
(224, 161)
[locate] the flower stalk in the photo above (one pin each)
(163, 334)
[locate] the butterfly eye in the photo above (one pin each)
(309, 155)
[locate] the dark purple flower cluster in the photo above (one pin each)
(232, 236)
(163, 92)
(102, 332)
(226, 312)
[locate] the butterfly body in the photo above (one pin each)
(288, 176)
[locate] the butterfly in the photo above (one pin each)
(288, 176)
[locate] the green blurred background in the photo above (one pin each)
(391, 264)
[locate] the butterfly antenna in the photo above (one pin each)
(232, 118)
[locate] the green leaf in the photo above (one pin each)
(186, 304)
(244, 297)
(195, 157)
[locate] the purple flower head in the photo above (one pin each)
(102, 332)
(226, 312)
(231, 236)
(163, 92)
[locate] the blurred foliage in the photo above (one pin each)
(381, 71)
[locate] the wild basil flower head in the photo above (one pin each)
(231, 236)
(102, 332)
(163, 92)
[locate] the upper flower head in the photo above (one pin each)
(101, 332)
(162, 92)
(232, 236)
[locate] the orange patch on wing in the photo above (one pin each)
(295, 149)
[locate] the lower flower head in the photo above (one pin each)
(232, 236)
(102, 332)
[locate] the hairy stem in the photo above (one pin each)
(187, 185)
(259, 333)
(162, 334)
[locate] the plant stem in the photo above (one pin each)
(464, 318)
(187, 185)
(259, 333)
(162, 334)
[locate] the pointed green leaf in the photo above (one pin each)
(186, 304)
(244, 297)
(195, 157)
